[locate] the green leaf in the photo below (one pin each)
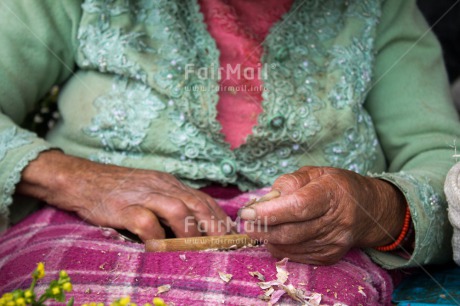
(70, 302)
(60, 297)
(18, 293)
(53, 283)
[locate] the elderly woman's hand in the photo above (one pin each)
(323, 212)
(133, 199)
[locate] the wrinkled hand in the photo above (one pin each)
(133, 199)
(323, 212)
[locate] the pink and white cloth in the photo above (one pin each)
(103, 267)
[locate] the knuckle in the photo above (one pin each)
(144, 222)
(347, 222)
(287, 235)
(343, 241)
(170, 179)
(306, 168)
(328, 257)
(177, 210)
(277, 237)
(290, 181)
(321, 241)
(298, 206)
(194, 203)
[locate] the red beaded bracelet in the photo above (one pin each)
(405, 230)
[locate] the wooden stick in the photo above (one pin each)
(227, 242)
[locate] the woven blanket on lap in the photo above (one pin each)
(103, 267)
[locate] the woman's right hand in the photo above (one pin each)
(124, 198)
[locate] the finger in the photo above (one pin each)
(174, 213)
(142, 222)
(307, 247)
(209, 216)
(290, 233)
(332, 246)
(291, 182)
(320, 256)
(230, 226)
(308, 203)
(211, 204)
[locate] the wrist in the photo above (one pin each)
(387, 216)
(44, 176)
(402, 235)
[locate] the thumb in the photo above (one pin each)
(308, 203)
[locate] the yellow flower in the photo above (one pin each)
(21, 302)
(67, 287)
(133, 304)
(84, 305)
(100, 304)
(28, 293)
(2, 302)
(10, 303)
(92, 304)
(55, 290)
(7, 296)
(40, 271)
(63, 274)
(147, 304)
(158, 301)
(124, 301)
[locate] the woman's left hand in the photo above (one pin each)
(323, 212)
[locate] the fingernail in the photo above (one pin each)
(247, 214)
(251, 202)
(270, 196)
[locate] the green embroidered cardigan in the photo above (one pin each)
(350, 83)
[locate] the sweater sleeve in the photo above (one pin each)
(37, 46)
(417, 125)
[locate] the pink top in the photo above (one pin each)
(239, 28)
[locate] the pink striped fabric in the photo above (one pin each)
(103, 267)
